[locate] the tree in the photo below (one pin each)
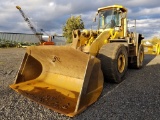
(155, 40)
(72, 23)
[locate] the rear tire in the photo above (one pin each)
(138, 60)
(114, 61)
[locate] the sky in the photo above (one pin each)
(51, 15)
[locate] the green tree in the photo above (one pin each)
(72, 23)
(155, 40)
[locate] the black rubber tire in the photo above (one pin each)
(139, 59)
(109, 55)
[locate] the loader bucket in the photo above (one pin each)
(59, 77)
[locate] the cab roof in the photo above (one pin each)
(113, 6)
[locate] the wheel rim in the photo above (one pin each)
(121, 63)
(141, 57)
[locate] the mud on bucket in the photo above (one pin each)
(59, 77)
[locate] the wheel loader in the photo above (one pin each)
(67, 79)
(150, 48)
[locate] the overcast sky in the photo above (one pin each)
(51, 15)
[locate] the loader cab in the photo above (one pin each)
(113, 17)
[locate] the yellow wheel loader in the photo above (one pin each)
(150, 48)
(68, 79)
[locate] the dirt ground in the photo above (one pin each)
(136, 98)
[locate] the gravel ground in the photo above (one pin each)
(136, 98)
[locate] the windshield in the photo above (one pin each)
(108, 19)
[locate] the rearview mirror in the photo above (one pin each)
(94, 19)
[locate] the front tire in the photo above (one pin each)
(114, 61)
